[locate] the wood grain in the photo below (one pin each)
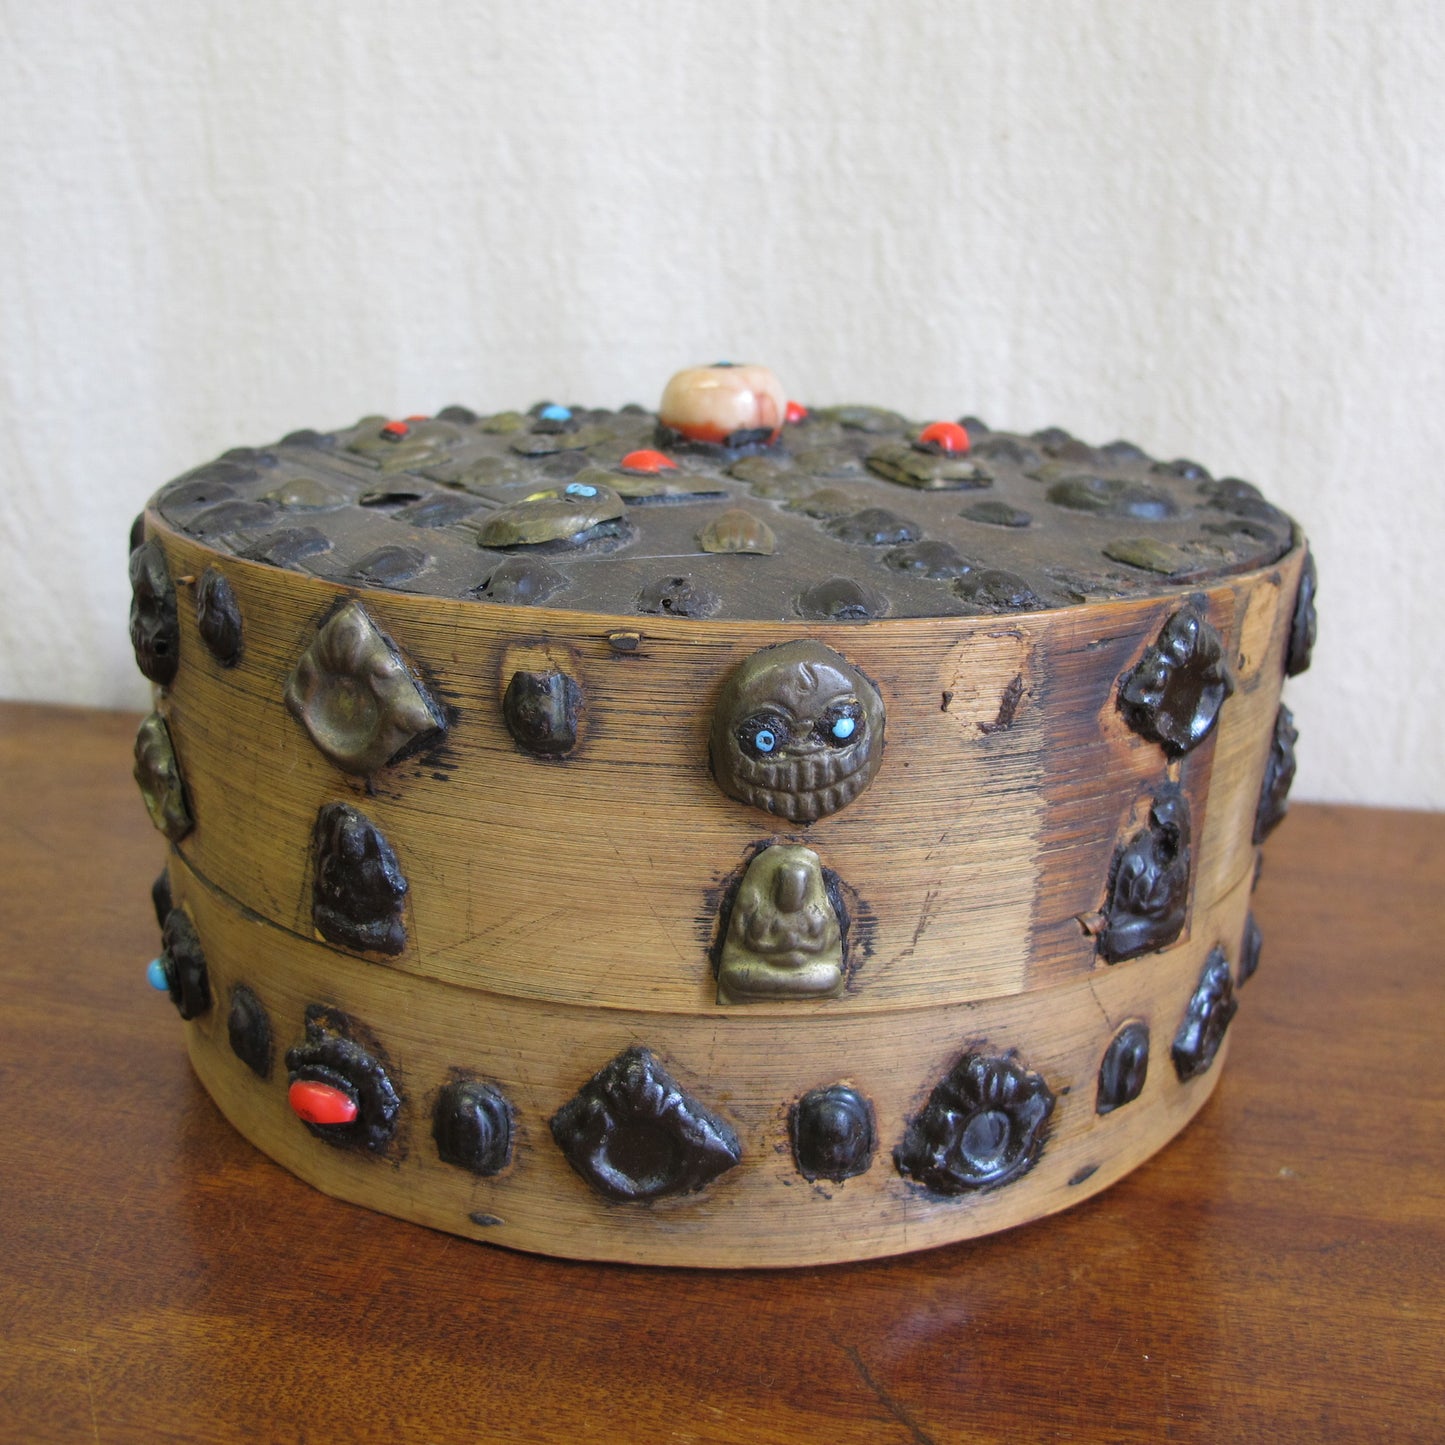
(597, 880)
(1274, 1274)
(752, 1071)
(561, 912)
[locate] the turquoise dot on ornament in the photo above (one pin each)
(156, 975)
(556, 413)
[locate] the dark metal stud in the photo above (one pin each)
(983, 1126)
(1149, 883)
(472, 1127)
(1210, 1009)
(1183, 468)
(541, 711)
(155, 630)
(522, 582)
(993, 513)
(359, 886)
(874, 527)
(336, 1056)
(1119, 452)
(841, 599)
(1112, 497)
(1249, 950)
(1051, 438)
(390, 564)
(1304, 622)
(998, 591)
(1124, 1068)
(1174, 694)
(248, 1026)
(928, 558)
(218, 617)
(1242, 502)
(677, 597)
(187, 979)
(633, 1134)
(826, 503)
(288, 546)
(440, 509)
(161, 897)
(833, 1133)
(1005, 449)
(1278, 775)
(224, 518)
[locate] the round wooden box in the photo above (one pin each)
(770, 844)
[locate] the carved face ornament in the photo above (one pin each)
(154, 629)
(355, 696)
(798, 732)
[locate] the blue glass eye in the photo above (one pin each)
(841, 726)
(580, 489)
(555, 413)
(763, 734)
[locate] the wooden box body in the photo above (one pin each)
(563, 910)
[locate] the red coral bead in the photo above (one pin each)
(318, 1103)
(648, 460)
(947, 436)
(796, 412)
(395, 429)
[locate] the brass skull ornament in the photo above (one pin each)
(797, 732)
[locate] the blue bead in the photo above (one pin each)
(765, 741)
(843, 728)
(156, 975)
(581, 489)
(555, 413)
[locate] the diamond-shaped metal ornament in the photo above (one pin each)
(634, 1135)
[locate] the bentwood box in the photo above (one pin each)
(746, 834)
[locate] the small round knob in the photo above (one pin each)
(724, 404)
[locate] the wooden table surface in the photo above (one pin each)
(1275, 1274)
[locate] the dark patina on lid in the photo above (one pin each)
(730, 502)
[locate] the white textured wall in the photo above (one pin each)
(1214, 228)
